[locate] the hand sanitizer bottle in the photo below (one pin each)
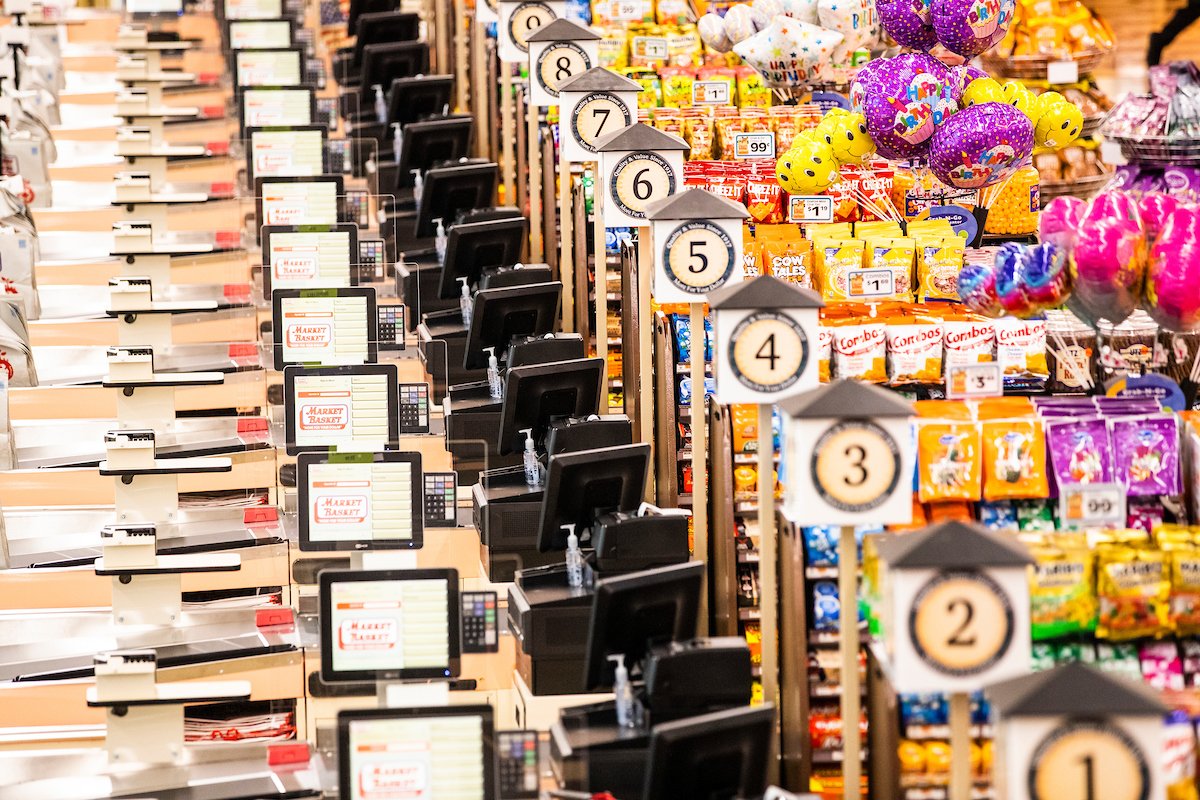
(495, 387)
(465, 304)
(533, 470)
(439, 242)
(574, 558)
(623, 693)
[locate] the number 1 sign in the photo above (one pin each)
(593, 106)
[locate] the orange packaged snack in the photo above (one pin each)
(1014, 460)
(949, 460)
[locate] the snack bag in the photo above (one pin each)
(1134, 592)
(893, 258)
(787, 255)
(1021, 347)
(839, 259)
(1062, 591)
(914, 350)
(676, 87)
(765, 205)
(939, 260)
(750, 88)
(949, 461)
(968, 340)
(1014, 460)
(860, 351)
(1146, 453)
(1184, 559)
(824, 352)
(1080, 451)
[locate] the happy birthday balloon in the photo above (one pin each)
(739, 23)
(802, 10)
(908, 22)
(971, 27)
(980, 145)
(855, 20)
(904, 99)
(1173, 273)
(788, 53)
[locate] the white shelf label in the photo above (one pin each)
(816, 208)
(710, 93)
(871, 283)
(754, 145)
(1062, 72)
(972, 381)
(1092, 505)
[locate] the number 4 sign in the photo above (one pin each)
(593, 106)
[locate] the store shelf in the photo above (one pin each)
(921, 732)
(747, 557)
(749, 613)
(750, 458)
(821, 573)
(833, 756)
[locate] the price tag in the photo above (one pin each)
(650, 48)
(803, 208)
(1062, 72)
(1112, 153)
(754, 145)
(1092, 505)
(558, 63)
(1091, 760)
(965, 381)
(871, 283)
(628, 10)
(699, 257)
(961, 623)
(856, 465)
(768, 351)
(597, 115)
(638, 180)
(710, 93)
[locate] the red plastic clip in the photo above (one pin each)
(271, 617)
(281, 754)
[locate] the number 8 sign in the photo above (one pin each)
(559, 52)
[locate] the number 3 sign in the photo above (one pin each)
(697, 245)
(957, 612)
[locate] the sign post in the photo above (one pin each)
(849, 462)
(697, 251)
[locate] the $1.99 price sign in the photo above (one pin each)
(710, 93)
(1092, 505)
(760, 144)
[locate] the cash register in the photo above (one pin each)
(382, 62)
(640, 646)
(409, 99)
(378, 27)
(590, 505)
(447, 195)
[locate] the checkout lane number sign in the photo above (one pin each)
(558, 63)
(525, 20)
(1088, 760)
(699, 257)
(597, 115)
(768, 351)
(638, 180)
(961, 623)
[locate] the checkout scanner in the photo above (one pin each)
(382, 62)
(595, 494)
(408, 100)
(640, 646)
(446, 196)
(375, 27)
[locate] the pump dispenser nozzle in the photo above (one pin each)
(574, 558)
(465, 304)
(439, 241)
(495, 388)
(623, 692)
(533, 469)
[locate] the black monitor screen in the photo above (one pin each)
(501, 315)
(413, 99)
(721, 756)
(383, 27)
(447, 191)
(430, 142)
(473, 247)
(383, 63)
(583, 485)
(537, 394)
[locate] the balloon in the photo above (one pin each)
(908, 22)
(1107, 268)
(739, 23)
(1111, 206)
(1154, 208)
(847, 137)
(982, 90)
(1032, 279)
(1059, 220)
(807, 50)
(970, 27)
(963, 76)
(712, 33)
(808, 168)
(802, 10)
(977, 290)
(1174, 273)
(763, 11)
(903, 100)
(1058, 125)
(980, 145)
(1047, 99)
(854, 19)
(1020, 98)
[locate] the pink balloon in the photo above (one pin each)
(1119, 206)
(1059, 220)
(1107, 268)
(1155, 208)
(1173, 274)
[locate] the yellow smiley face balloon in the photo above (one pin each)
(808, 168)
(982, 90)
(1059, 125)
(1020, 98)
(849, 140)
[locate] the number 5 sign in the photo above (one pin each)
(638, 166)
(593, 106)
(765, 331)
(956, 611)
(697, 245)
(559, 52)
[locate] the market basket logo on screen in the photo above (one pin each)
(340, 509)
(382, 633)
(309, 334)
(324, 416)
(395, 780)
(296, 266)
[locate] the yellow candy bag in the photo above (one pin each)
(1133, 590)
(1062, 592)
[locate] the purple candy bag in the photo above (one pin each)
(1080, 451)
(1146, 455)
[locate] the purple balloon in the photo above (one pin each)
(981, 145)
(971, 27)
(908, 22)
(961, 77)
(904, 98)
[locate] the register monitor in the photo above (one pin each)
(359, 501)
(285, 105)
(296, 151)
(324, 327)
(384, 27)
(350, 409)
(430, 142)
(631, 612)
(474, 247)
(719, 756)
(272, 67)
(447, 191)
(500, 316)
(537, 394)
(259, 34)
(583, 485)
(309, 257)
(360, 7)
(431, 753)
(252, 9)
(298, 201)
(398, 624)
(418, 97)
(382, 63)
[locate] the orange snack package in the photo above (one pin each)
(1014, 460)
(949, 460)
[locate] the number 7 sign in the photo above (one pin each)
(593, 106)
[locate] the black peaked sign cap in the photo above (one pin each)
(599, 79)
(563, 30)
(846, 398)
(1072, 690)
(952, 545)
(764, 292)
(638, 136)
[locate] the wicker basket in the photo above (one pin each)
(1084, 188)
(1036, 67)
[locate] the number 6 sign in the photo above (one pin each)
(697, 245)
(956, 615)
(593, 106)
(638, 166)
